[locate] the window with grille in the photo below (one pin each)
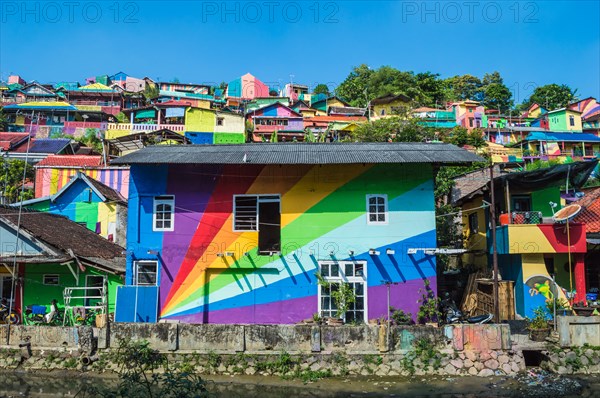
(473, 223)
(145, 273)
(260, 213)
(164, 213)
(377, 209)
(353, 273)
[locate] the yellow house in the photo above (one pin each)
(565, 120)
(389, 105)
(534, 111)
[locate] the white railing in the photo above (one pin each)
(140, 127)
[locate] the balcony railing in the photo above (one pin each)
(526, 217)
(140, 127)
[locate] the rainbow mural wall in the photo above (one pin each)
(208, 273)
(49, 180)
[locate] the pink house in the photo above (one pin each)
(247, 87)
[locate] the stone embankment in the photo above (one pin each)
(304, 351)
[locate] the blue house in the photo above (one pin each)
(90, 203)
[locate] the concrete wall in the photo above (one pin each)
(576, 331)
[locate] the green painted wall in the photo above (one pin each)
(35, 292)
(229, 138)
(199, 120)
(540, 200)
(87, 213)
(40, 206)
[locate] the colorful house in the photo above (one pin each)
(469, 114)
(531, 246)
(591, 124)
(432, 117)
(277, 119)
(322, 104)
(90, 203)
(564, 119)
(207, 126)
(588, 107)
(389, 105)
(54, 172)
(247, 87)
(295, 92)
(236, 234)
(565, 147)
(55, 253)
(260, 102)
(198, 123)
(534, 111)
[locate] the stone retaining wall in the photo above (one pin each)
(482, 350)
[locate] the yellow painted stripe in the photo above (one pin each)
(319, 181)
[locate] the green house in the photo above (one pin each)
(45, 257)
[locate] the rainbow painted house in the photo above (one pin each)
(237, 233)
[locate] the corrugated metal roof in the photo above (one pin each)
(301, 153)
(49, 145)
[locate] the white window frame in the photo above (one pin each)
(161, 200)
(348, 279)
(385, 212)
(262, 198)
(136, 265)
(57, 276)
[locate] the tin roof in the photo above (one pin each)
(301, 153)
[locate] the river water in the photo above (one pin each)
(532, 384)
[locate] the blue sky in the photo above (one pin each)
(529, 42)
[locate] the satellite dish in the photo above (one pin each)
(566, 213)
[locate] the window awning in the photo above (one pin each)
(146, 113)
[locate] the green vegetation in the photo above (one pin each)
(425, 89)
(539, 319)
(400, 317)
(428, 305)
(11, 179)
(321, 89)
(144, 372)
(425, 355)
(342, 294)
(551, 96)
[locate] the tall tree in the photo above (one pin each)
(321, 89)
(465, 87)
(432, 89)
(497, 96)
(354, 88)
(493, 77)
(552, 96)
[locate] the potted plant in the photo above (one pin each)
(342, 295)
(562, 307)
(399, 317)
(538, 326)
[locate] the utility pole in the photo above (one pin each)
(494, 247)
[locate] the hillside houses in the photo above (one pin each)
(164, 170)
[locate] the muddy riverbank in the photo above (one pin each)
(533, 383)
